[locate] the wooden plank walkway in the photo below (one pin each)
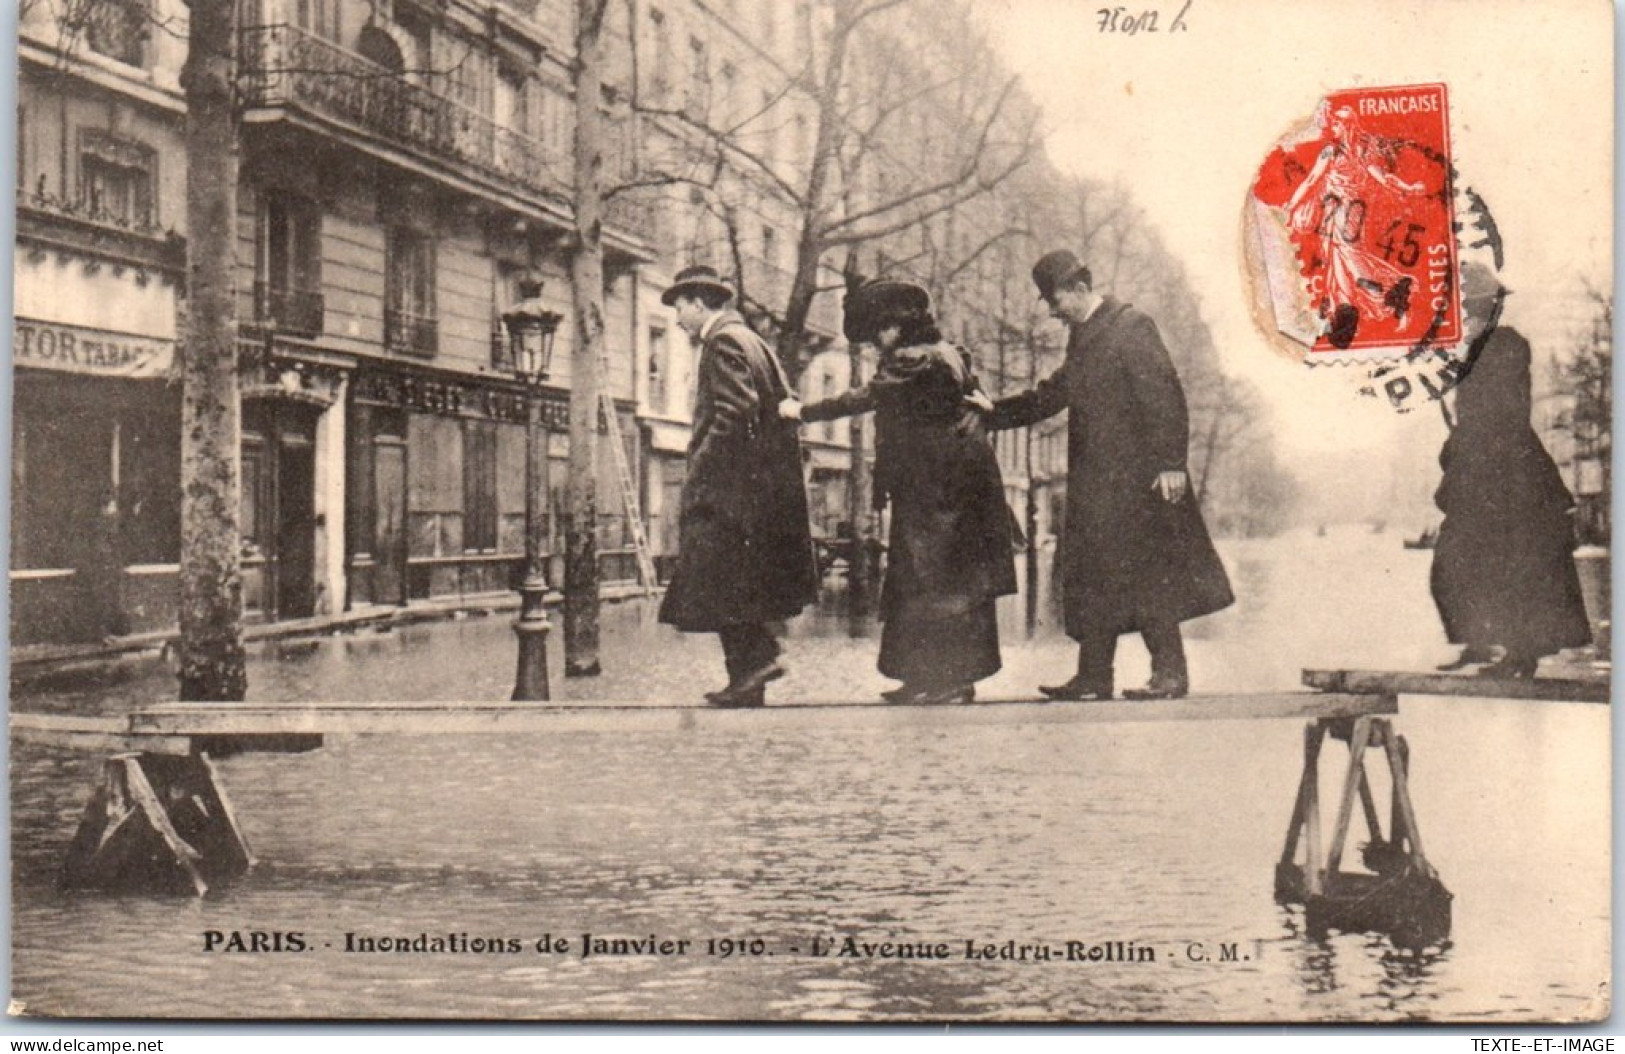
(282, 727)
(1549, 689)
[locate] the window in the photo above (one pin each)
(116, 180)
(699, 78)
(804, 31)
(660, 60)
(288, 266)
(409, 307)
(769, 123)
(803, 152)
(320, 17)
(826, 384)
(118, 29)
(770, 248)
(728, 96)
(479, 486)
(511, 107)
(418, 55)
(659, 370)
(770, 26)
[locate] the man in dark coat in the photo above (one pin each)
(745, 555)
(1503, 567)
(1135, 553)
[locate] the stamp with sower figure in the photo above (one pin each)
(1354, 227)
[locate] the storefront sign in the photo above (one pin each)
(75, 349)
(452, 398)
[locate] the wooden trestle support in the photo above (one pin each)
(1401, 894)
(157, 822)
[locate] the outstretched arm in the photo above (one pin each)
(849, 403)
(1030, 407)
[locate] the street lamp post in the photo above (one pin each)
(531, 328)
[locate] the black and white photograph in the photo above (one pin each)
(812, 511)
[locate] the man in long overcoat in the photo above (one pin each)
(1135, 553)
(745, 556)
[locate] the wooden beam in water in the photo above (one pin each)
(1548, 689)
(102, 735)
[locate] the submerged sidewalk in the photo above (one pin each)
(42, 658)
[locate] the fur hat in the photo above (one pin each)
(880, 299)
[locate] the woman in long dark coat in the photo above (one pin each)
(1503, 566)
(950, 553)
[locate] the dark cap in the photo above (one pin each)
(1056, 269)
(692, 280)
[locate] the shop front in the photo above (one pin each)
(435, 483)
(95, 483)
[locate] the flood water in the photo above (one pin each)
(1153, 841)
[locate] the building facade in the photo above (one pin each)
(403, 165)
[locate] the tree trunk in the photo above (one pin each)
(212, 666)
(586, 369)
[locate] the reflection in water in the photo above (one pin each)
(1160, 834)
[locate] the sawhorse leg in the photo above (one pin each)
(1401, 895)
(157, 822)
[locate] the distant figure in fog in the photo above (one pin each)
(1503, 567)
(950, 554)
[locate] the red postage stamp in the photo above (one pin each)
(1355, 224)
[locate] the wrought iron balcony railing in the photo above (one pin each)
(286, 67)
(293, 312)
(410, 334)
(83, 226)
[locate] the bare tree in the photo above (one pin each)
(866, 175)
(1583, 377)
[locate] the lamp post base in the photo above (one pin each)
(530, 681)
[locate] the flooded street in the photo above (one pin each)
(1147, 848)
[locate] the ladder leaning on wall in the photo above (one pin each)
(629, 486)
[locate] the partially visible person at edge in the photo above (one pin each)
(1134, 552)
(745, 556)
(950, 554)
(1503, 566)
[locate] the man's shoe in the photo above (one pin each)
(757, 679)
(1078, 690)
(1511, 669)
(1472, 655)
(1161, 688)
(731, 699)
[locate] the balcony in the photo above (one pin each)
(82, 228)
(408, 334)
(287, 68)
(290, 312)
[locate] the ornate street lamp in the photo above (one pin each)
(531, 328)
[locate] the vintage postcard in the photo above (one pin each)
(812, 511)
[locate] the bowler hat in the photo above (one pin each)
(1056, 269)
(880, 299)
(692, 280)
